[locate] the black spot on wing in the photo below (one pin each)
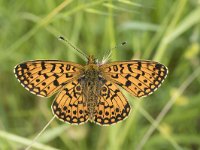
(23, 66)
(53, 68)
(43, 65)
(115, 68)
(116, 76)
(129, 68)
(56, 83)
(67, 75)
(139, 65)
(61, 68)
(138, 76)
(128, 83)
(158, 66)
(68, 67)
(122, 68)
(127, 76)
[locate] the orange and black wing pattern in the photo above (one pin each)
(138, 77)
(70, 105)
(112, 106)
(45, 77)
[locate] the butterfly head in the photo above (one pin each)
(91, 60)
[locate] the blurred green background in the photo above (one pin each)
(167, 31)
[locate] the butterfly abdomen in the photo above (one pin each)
(91, 83)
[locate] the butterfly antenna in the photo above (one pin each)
(109, 52)
(83, 55)
(39, 134)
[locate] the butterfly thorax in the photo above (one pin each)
(91, 82)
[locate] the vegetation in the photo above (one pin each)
(167, 31)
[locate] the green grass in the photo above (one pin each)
(165, 31)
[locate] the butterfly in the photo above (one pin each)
(90, 92)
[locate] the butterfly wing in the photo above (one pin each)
(138, 77)
(112, 106)
(45, 77)
(69, 105)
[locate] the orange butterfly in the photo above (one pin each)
(90, 92)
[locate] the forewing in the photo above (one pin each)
(45, 77)
(69, 105)
(138, 77)
(112, 107)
